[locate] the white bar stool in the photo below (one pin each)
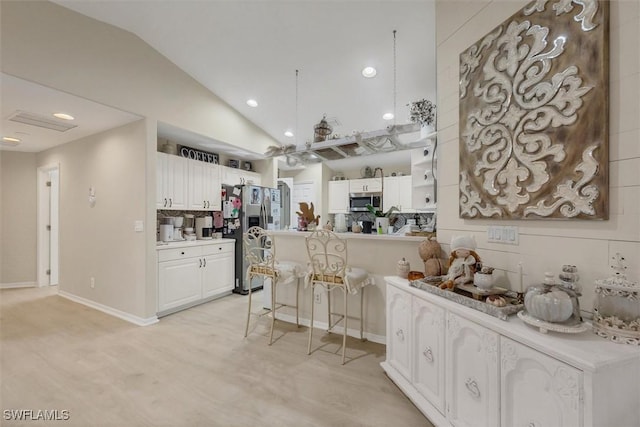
(260, 251)
(330, 269)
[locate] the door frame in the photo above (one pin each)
(43, 255)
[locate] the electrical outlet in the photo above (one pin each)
(317, 297)
(92, 282)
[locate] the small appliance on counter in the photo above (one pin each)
(166, 232)
(178, 221)
(204, 228)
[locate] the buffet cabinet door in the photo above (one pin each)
(472, 374)
(428, 351)
(399, 330)
(538, 391)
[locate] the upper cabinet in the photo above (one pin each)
(366, 185)
(338, 197)
(171, 182)
(398, 192)
(184, 184)
(204, 186)
(234, 176)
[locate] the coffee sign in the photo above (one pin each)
(193, 154)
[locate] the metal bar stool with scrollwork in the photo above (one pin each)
(260, 252)
(329, 268)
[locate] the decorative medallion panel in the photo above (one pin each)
(534, 117)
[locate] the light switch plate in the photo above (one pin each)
(502, 234)
(138, 226)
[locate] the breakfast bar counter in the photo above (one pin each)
(377, 254)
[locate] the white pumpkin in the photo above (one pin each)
(553, 306)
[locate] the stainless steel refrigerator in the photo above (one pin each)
(245, 206)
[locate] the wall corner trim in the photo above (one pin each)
(110, 310)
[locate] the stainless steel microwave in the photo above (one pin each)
(358, 201)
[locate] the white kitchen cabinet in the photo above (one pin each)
(171, 181)
(191, 273)
(398, 192)
(399, 330)
(428, 351)
(338, 197)
(204, 186)
(472, 374)
(235, 176)
(537, 390)
(218, 271)
(365, 185)
(178, 283)
(504, 373)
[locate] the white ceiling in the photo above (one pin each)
(21, 95)
(251, 49)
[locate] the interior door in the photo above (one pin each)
(304, 192)
(54, 219)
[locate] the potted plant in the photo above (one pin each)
(382, 218)
(423, 112)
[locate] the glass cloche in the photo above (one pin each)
(616, 311)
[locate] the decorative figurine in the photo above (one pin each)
(430, 251)
(403, 268)
(462, 262)
(307, 214)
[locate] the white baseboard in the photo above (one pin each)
(380, 339)
(110, 310)
(18, 285)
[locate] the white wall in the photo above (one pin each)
(546, 245)
(18, 218)
(62, 49)
(100, 241)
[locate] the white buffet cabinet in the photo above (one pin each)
(190, 273)
(464, 368)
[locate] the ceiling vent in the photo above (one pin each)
(41, 121)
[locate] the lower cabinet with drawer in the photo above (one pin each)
(462, 368)
(193, 274)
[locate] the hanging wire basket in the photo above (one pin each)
(322, 130)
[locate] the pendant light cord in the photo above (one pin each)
(395, 92)
(296, 134)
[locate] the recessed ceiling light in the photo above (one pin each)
(64, 116)
(252, 103)
(288, 134)
(369, 72)
(388, 116)
(10, 141)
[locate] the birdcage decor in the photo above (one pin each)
(322, 130)
(616, 312)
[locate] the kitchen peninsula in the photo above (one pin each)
(378, 254)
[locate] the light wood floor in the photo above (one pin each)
(193, 368)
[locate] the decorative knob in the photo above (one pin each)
(472, 387)
(181, 253)
(428, 354)
(400, 334)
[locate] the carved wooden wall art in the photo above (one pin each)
(534, 115)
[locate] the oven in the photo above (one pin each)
(358, 201)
